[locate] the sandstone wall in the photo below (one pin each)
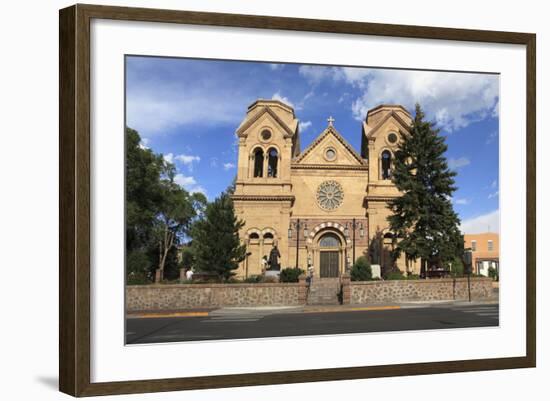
(186, 296)
(419, 290)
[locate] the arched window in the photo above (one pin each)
(268, 236)
(386, 165)
(254, 236)
(329, 241)
(272, 159)
(258, 163)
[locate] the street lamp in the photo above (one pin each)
(354, 226)
(297, 225)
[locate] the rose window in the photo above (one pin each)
(330, 195)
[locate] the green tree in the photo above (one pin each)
(143, 198)
(215, 239)
(361, 270)
(457, 267)
(423, 218)
(158, 212)
(143, 191)
(177, 210)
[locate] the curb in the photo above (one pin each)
(352, 309)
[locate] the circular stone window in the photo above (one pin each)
(330, 195)
(266, 135)
(330, 154)
(392, 137)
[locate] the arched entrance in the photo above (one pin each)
(330, 255)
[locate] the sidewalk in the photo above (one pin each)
(271, 310)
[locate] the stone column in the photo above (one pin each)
(182, 275)
(158, 276)
(346, 288)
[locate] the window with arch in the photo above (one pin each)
(385, 165)
(268, 236)
(272, 160)
(258, 163)
(329, 241)
(254, 236)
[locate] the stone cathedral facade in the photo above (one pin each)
(322, 206)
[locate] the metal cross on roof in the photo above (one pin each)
(330, 121)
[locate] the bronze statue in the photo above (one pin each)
(274, 256)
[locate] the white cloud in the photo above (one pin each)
(493, 195)
(228, 166)
(184, 181)
(278, 96)
(155, 107)
(144, 143)
(494, 184)
(168, 158)
(315, 74)
(276, 67)
(481, 224)
(454, 100)
(455, 164)
(189, 183)
(462, 201)
(304, 125)
(213, 162)
(188, 160)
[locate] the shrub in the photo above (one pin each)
(361, 270)
(290, 275)
(493, 273)
(253, 279)
(395, 275)
(138, 268)
(413, 277)
(135, 278)
(457, 268)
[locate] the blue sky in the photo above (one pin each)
(188, 110)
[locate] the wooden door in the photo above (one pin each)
(329, 263)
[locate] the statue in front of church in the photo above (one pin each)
(274, 256)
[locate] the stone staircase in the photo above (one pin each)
(324, 291)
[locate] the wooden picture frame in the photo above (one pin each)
(75, 207)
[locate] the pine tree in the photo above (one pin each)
(216, 245)
(423, 220)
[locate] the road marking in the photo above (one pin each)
(228, 320)
(173, 314)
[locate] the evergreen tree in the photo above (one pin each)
(423, 218)
(215, 239)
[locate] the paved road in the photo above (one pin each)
(264, 323)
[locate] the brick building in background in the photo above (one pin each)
(485, 251)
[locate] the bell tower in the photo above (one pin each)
(268, 140)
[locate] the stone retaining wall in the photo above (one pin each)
(419, 290)
(186, 296)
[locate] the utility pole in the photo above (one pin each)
(297, 240)
(353, 226)
(297, 226)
